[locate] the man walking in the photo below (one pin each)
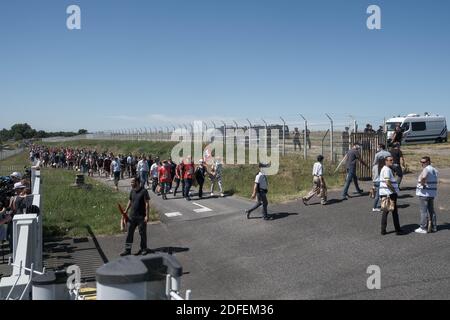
(353, 155)
(377, 162)
(115, 169)
(142, 169)
(399, 162)
(164, 179)
(200, 173)
(319, 185)
(389, 193)
(427, 191)
(188, 175)
(216, 176)
(139, 202)
(260, 189)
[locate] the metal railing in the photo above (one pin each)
(4, 154)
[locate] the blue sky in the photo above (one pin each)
(154, 62)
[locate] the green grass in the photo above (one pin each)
(68, 211)
(293, 180)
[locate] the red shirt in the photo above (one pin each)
(164, 174)
(188, 171)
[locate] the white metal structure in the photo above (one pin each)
(27, 249)
(417, 128)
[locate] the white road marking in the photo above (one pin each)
(203, 208)
(173, 214)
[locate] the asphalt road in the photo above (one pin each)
(313, 252)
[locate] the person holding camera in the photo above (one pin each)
(389, 194)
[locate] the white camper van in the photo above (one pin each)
(417, 128)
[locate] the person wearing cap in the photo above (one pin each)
(200, 174)
(260, 189)
(319, 185)
(15, 176)
(352, 156)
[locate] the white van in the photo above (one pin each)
(416, 128)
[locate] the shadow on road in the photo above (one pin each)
(170, 250)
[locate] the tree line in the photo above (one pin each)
(21, 131)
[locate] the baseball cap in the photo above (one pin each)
(18, 185)
(16, 175)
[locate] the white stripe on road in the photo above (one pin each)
(203, 208)
(173, 214)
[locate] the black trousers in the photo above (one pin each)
(261, 199)
(200, 188)
(142, 226)
(393, 197)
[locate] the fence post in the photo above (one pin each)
(224, 133)
(284, 138)
(267, 134)
(331, 138)
(305, 141)
(249, 134)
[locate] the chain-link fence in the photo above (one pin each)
(4, 154)
(307, 136)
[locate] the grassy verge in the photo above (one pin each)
(293, 180)
(68, 210)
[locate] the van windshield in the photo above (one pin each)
(390, 126)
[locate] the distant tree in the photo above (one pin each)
(82, 131)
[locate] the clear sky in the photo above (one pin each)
(155, 62)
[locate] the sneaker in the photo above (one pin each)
(125, 253)
(247, 213)
(434, 229)
(376, 210)
(360, 191)
(383, 233)
(304, 201)
(144, 252)
(344, 198)
(266, 217)
(212, 194)
(188, 199)
(222, 195)
(324, 203)
(420, 230)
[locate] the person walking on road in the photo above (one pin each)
(188, 175)
(200, 174)
(319, 185)
(216, 176)
(352, 156)
(377, 165)
(389, 194)
(115, 169)
(164, 179)
(142, 169)
(260, 189)
(139, 202)
(426, 191)
(154, 174)
(399, 162)
(179, 178)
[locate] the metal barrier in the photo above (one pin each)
(4, 154)
(27, 249)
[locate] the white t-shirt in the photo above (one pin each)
(261, 179)
(387, 175)
(115, 166)
(154, 170)
(317, 169)
(142, 166)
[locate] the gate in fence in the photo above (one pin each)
(369, 144)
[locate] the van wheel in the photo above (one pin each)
(439, 140)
